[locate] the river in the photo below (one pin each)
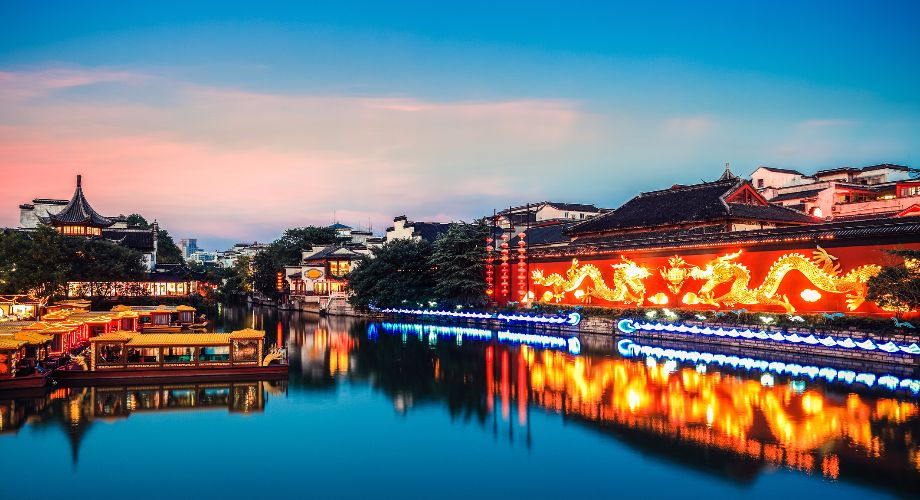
(412, 411)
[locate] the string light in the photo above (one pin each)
(628, 326)
(630, 349)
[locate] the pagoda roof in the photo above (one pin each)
(689, 205)
(79, 212)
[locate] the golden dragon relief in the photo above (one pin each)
(628, 281)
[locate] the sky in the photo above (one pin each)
(231, 121)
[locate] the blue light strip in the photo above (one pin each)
(629, 349)
(571, 344)
(439, 330)
(571, 319)
(628, 326)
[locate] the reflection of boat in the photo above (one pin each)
(120, 357)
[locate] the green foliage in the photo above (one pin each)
(285, 251)
(399, 274)
(138, 221)
(411, 273)
(167, 250)
(897, 286)
(459, 265)
(43, 261)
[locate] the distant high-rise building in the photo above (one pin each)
(188, 246)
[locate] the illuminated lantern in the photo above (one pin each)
(279, 281)
(490, 271)
(506, 271)
(522, 265)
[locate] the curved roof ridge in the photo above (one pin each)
(79, 211)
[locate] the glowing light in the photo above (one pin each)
(571, 319)
(809, 295)
(630, 349)
(627, 325)
(659, 298)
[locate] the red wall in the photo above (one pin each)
(757, 261)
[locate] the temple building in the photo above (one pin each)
(713, 245)
(78, 218)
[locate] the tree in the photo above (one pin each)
(897, 286)
(399, 274)
(42, 262)
(285, 251)
(459, 264)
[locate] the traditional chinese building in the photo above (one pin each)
(323, 269)
(718, 245)
(78, 218)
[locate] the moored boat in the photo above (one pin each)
(164, 357)
(22, 354)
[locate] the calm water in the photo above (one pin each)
(384, 410)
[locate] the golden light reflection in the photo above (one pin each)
(791, 428)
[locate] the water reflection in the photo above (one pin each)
(730, 423)
(78, 409)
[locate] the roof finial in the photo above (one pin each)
(727, 174)
(79, 180)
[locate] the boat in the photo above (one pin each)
(21, 356)
(133, 357)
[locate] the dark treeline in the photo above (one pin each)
(41, 262)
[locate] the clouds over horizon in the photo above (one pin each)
(225, 163)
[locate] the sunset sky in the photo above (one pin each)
(230, 122)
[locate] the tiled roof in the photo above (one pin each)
(781, 170)
(697, 203)
(574, 207)
(78, 211)
(138, 239)
(902, 229)
(430, 231)
(796, 195)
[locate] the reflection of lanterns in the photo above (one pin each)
(809, 295)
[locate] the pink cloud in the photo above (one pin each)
(226, 163)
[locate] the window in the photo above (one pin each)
(108, 354)
(246, 350)
(178, 354)
(215, 353)
(910, 191)
(144, 355)
(759, 183)
(339, 267)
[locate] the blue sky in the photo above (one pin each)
(263, 116)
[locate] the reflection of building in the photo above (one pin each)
(785, 425)
(78, 218)
(718, 245)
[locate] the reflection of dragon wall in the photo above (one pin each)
(627, 284)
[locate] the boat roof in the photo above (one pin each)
(133, 339)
